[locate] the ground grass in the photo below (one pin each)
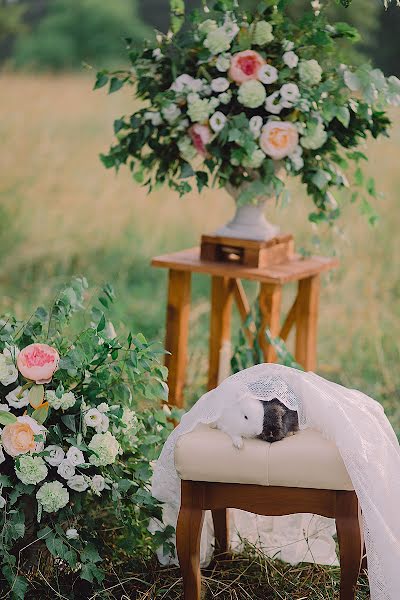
(61, 213)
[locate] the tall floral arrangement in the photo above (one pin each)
(232, 94)
(74, 449)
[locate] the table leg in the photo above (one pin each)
(270, 300)
(307, 308)
(177, 329)
(220, 324)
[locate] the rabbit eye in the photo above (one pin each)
(246, 417)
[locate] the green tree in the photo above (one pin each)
(77, 31)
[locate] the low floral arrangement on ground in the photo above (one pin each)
(232, 95)
(75, 452)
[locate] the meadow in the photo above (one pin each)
(62, 213)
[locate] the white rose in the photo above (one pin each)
(220, 84)
(296, 158)
(154, 118)
(103, 407)
(4, 408)
(181, 82)
(273, 103)
(255, 124)
(8, 371)
(2, 457)
(217, 121)
(72, 534)
(56, 455)
(104, 425)
(230, 27)
(77, 483)
(290, 59)
(75, 456)
(66, 469)
(18, 399)
(157, 54)
(225, 97)
(97, 483)
(267, 74)
(93, 418)
(2, 502)
(290, 92)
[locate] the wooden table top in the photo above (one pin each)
(292, 270)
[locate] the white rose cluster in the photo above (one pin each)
(63, 402)
(8, 370)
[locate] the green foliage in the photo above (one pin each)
(124, 378)
(74, 32)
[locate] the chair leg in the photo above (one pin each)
(348, 525)
(188, 535)
(221, 531)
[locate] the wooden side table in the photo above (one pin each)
(226, 288)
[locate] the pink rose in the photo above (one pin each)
(245, 65)
(279, 139)
(38, 362)
(19, 438)
(200, 136)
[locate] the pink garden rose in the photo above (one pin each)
(19, 438)
(245, 65)
(200, 136)
(278, 139)
(38, 362)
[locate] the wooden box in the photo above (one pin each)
(249, 253)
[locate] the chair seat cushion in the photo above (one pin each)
(303, 460)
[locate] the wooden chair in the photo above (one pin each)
(215, 476)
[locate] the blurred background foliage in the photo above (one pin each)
(63, 34)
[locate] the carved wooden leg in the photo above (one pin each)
(188, 534)
(350, 542)
(176, 339)
(220, 324)
(270, 300)
(221, 531)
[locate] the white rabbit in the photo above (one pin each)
(242, 418)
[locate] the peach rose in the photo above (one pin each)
(245, 65)
(200, 136)
(18, 438)
(278, 139)
(38, 362)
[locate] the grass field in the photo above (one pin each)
(61, 213)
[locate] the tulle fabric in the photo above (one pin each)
(369, 448)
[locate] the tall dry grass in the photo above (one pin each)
(61, 212)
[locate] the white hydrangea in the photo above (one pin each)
(262, 33)
(75, 456)
(218, 121)
(31, 469)
(65, 402)
(268, 74)
(77, 483)
(290, 59)
(106, 448)
(199, 109)
(56, 455)
(207, 26)
(225, 97)
(186, 82)
(255, 125)
(220, 84)
(223, 62)
(8, 370)
(255, 161)
(218, 41)
(287, 45)
(297, 158)
(310, 72)
(314, 137)
(18, 398)
(252, 94)
(171, 113)
(65, 469)
(52, 496)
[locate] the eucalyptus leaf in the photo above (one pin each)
(7, 418)
(36, 395)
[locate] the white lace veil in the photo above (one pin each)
(369, 448)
